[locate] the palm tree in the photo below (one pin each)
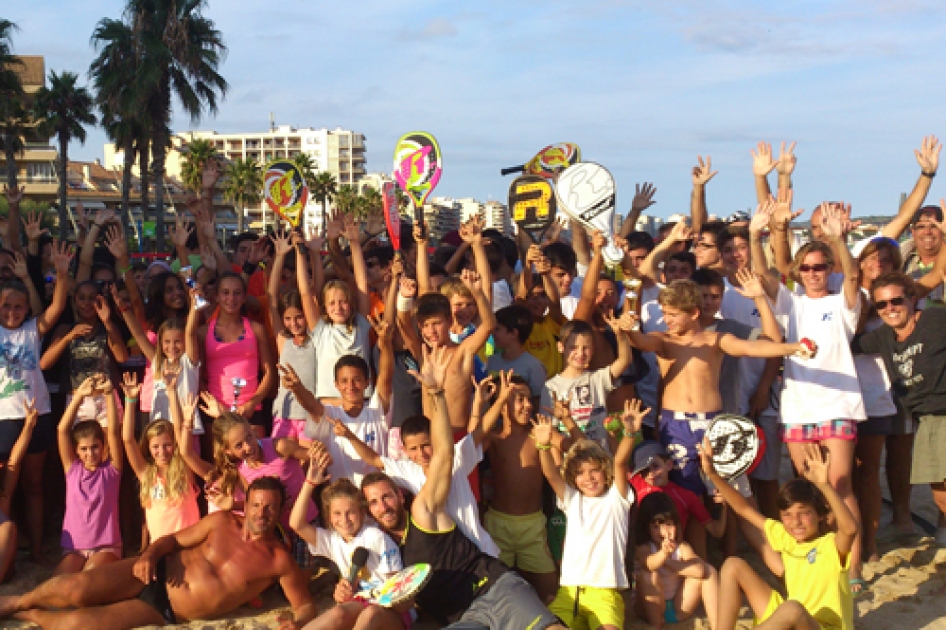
(13, 116)
(181, 51)
(346, 200)
(197, 153)
(62, 110)
(115, 79)
(371, 202)
(324, 189)
(306, 166)
(243, 187)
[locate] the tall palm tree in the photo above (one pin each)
(197, 152)
(63, 109)
(13, 116)
(324, 189)
(346, 200)
(115, 73)
(371, 202)
(243, 187)
(306, 166)
(181, 52)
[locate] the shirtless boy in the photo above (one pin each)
(690, 360)
(515, 518)
(201, 572)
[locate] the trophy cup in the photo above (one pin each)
(632, 287)
(188, 273)
(238, 385)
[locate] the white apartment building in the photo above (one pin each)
(442, 215)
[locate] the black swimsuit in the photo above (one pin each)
(155, 593)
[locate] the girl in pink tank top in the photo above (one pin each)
(236, 351)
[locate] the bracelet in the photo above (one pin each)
(434, 392)
(130, 400)
(543, 447)
(122, 272)
(249, 268)
(404, 304)
(312, 483)
(930, 175)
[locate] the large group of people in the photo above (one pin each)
(518, 415)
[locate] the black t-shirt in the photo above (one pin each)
(917, 365)
(460, 571)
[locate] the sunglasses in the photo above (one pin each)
(897, 301)
(817, 268)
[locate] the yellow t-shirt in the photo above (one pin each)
(815, 577)
(543, 345)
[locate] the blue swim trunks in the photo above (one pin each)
(680, 432)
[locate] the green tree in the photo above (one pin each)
(62, 110)
(197, 153)
(306, 166)
(372, 204)
(346, 200)
(115, 78)
(13, 116)
(324, 189)
(181, 52)
(243, 187)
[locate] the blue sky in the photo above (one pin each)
(642, 87)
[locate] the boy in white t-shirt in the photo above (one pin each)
(593, 491)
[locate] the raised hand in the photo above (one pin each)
(281, 242)
(407, 288)
(434, 371)
(613, 322)
(751, 285)
(763, 216)
(318, 468)
(817, 464)
(19, 266)
(122, 303)
(209, 174)
(80, 330)
(188, 409)
(542, 430)
(533, 254)
(181, 232)
(290, 380)
(629, 322)
(102, 309)
(313, 239)
(82, 218)
(103, 216)
(375, 224)
(551, 234)
(420, 234)
(115, 242)
(130, 385)
(786, 160)
(352, 231)
(87, 387)
(782, 215)
(643, 197)
(703, 172)
(705, 451)
(680, 232)
(208, 258)
(15, 195)
(258, 250)
(836, 221)
(170, 374)
(598, 241)
(470, 279)
(485, 388)
(762, 162)
(339, 428)
(62, 256)
(472, 231)
(381, 329)
(32, 227)
(334, 225)
(633, 416)
(561, 407)
(210, 405)
(928, 155)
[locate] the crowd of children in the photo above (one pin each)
(578, 397)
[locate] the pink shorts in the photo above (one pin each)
(288, 428)
(406, 617)
(88, 553)
(841, 429)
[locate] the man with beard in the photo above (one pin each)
(467, 588)
(201, 572)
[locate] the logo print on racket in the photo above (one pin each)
(737, 447)
(550, 161)
(392, 217)
(285, 191)
(417, 166)
(532, 204)
(587, 194)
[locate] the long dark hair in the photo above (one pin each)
(656, 506)
(155, 312)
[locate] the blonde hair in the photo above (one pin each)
(810, 248)
(176, 484)
(454, 286)
(587, 451)
(224, 469)
(683, 295)
(342, 488)
(169, 324)
(344, 287)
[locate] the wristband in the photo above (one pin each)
(130, 400)
(122, 272)
(930, 175)
(250, 268)
(543, 447)
(404, 304)
(312, 483)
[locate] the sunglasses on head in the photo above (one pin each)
(819, 267)
(897, 301)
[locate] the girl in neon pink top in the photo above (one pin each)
(90, 533)
(236, 349)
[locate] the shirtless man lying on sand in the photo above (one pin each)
(202, 572)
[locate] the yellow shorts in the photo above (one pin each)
(587, 607)
(522, 540)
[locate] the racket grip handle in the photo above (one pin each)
(513, 169)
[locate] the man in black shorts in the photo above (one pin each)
(468, 589)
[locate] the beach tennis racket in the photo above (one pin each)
(587, 194)
(392, 217)
(738, 445)
(417, 168)
(398, 588)
(285, 191)
(532, 204)
(550, 161)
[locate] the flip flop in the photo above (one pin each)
(858, 587)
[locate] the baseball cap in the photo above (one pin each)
(645, 453)
(739, 216)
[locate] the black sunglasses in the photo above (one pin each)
(897, 301)
(819, 267)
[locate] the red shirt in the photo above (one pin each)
(687, 502)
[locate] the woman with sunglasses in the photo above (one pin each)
(821, 399)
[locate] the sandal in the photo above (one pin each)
(858, 586)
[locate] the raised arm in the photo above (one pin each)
(316, 475)
(62, 255)
(114, 429)
(198, 466)
(730, 495)
(643, 199)
(702, 174)
(22, 272)
(542, 434)
(780, 230)
(621, 328)
(67, 449)
(281, 248)
(292, 382)
(817, 465)
(383, 384)
(472, 232)
(114, 336)
(352, 234)
(365, 452)
(428, 506)
(134, 326)
(835, 226)
(763, 348)
(472, 344)
(634, 413)
(422, 265)
(762, 165)
(589, 288)
(928, 159)
(752, 288)
(309, 292)
(132, 389)
(650, 268)
(88, 246)
(14, 197)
